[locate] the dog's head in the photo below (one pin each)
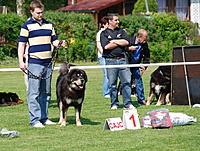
(14, 98)
(77, 79)
(166, 71)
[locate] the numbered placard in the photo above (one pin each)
(130, 119)
(114, 124)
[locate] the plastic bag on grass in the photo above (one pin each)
(196, 105)
(177, 119)
(160, 118)
(4, 133)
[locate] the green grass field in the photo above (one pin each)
(95, 111)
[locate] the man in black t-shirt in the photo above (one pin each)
(114, 41)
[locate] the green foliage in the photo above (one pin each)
(165, 31)
(140, 6)
(132, 23)
(48, 4)
(10, 4)
(10, 27)
(79, 31)
(168, 32)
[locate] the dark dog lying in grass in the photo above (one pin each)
(9, 99)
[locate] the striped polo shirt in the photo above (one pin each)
(39, 37)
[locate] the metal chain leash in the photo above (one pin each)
(65, 53)
(32, 75)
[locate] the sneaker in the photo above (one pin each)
(114, 107)
(133, 95)
(48, 122)
(107, 96)
(38, 125)
(131, 107)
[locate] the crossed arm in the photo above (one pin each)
(115, 43)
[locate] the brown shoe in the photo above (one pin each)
(142, 103)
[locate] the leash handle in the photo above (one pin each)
(65, 52)
(60, 42)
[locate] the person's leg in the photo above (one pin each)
(33, 95)
(125, 79)
(45, 96)
(105, 85)
(112, 78)
(139, 84)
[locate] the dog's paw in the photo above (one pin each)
(60, 122)
(62, 125)
(78, 124)
(158, 104)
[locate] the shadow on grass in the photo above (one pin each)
(71, 120)
(53, 103)
(135, 104)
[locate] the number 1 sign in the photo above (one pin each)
(130, 119)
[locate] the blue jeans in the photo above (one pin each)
(39, 94)
(125, 77)
(105, 85)
(139, 84)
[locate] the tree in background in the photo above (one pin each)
(20, 9)
(140, 6)
(23, 5)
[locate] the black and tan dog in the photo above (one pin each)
(160, 86)
(133, 88)
(9, 99)
(70, 90)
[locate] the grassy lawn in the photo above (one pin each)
(95, 111)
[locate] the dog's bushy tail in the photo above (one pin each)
(64, 69)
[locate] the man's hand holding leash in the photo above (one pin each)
(61, 43)
(21, 47)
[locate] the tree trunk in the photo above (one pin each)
(19, 4)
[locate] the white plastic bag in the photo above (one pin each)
(177, 119)
(4, 133)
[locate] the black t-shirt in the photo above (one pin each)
(106, 36)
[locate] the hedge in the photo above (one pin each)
(79, 30)
(10, 28)
(165, 31)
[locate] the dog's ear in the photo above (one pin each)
(69, 75)
(85, 76)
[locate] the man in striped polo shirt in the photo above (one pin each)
(40, 36)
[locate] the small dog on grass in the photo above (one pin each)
(9, 99)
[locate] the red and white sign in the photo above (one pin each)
(114, 124)
(130, 119)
